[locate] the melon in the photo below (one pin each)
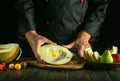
(55, 54)
(8, 52)
(91, 55)
(114, 50)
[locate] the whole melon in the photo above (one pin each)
(55, 54)
(8, 52)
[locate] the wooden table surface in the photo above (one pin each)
(33, 73)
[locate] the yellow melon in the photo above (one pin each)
(55, 54)
(8, 52)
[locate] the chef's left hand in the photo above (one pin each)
(81, 43)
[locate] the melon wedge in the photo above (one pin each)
(114, 50)
(55, 54)
(8, 52)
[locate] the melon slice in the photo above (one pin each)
(114, 50)
(91, 55)
(8, 52)
(55, 54)
(96, 55)
(88, 54)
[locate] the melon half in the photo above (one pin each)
(55, 54)
(8, 52)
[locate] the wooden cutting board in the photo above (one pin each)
(73, 64)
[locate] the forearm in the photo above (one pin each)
(30, 34)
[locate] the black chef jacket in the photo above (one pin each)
(61, 20)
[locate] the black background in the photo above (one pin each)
(109, 34)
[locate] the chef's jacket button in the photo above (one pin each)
(47, 22)
(46, 0)
(79, 23)
(81, 0)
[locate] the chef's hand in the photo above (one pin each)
(35, 40)
(80, 43)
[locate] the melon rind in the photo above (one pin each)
(46, 55)
(8, 52)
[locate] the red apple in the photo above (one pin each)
(116, 58)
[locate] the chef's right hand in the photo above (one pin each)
(35, 40)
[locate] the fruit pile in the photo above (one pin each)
(13, 66)
(2, 66)
(108, 56)
(17, 66)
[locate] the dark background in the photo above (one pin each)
(109, 34)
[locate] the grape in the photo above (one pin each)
(24, 64)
